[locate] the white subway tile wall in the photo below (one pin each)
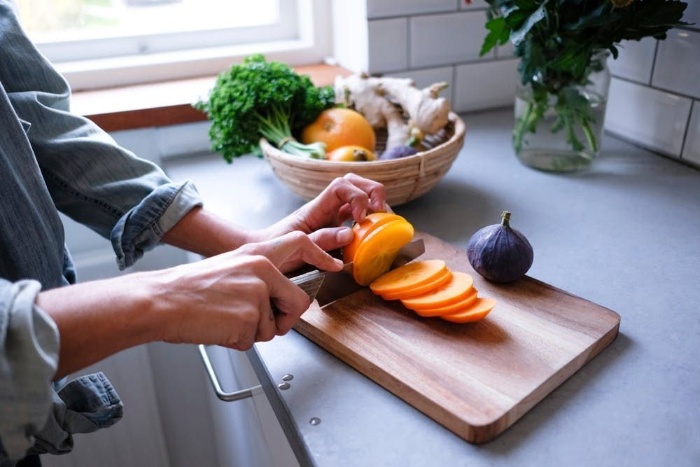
(655, 91)
(480, 85)
(677, 67)
(382, 8)
(651, 117)
(393, 55)
(636, 60)
(656, 88)
(444, 39)
(691, 149)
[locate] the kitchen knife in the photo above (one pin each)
(327, 286)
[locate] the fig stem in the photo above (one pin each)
(505, 219)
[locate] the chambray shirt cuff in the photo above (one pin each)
(37, 416)
(84, 405)
(27, 364)
(142, 228)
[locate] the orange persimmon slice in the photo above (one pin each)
(363, 229)
(458, 288)
(455, 307)
(379, 249)
(439, 281)
(408, 276)
(478, 310)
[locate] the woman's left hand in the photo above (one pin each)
(348, 197)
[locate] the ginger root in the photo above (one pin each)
(407, 112)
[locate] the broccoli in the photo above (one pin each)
(263, 99)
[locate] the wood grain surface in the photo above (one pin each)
(476, 379)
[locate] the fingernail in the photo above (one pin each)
(344, 235)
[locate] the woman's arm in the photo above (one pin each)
(224, 300)
(349, 197)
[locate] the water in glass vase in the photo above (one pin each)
(550, 149)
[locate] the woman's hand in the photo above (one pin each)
(348, 197)
(238, 298)
(233, 299)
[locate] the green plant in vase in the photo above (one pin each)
(563, 46)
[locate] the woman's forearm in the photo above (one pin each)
(204, 233)
(100, 318)
(225, 300)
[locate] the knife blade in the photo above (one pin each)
(329, 286)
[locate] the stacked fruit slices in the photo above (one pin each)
(431, 289)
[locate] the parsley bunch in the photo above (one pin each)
(259, 99)
(558, 42)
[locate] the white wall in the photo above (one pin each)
(655, 93)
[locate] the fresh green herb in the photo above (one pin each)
(260, 99)
(559, 44)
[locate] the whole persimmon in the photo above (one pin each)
(339, 126)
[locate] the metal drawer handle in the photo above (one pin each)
(224, 396)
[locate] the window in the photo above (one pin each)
(101, 43)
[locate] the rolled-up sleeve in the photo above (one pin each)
(143, 227)
(37, 415)
(29, 356)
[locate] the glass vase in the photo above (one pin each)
(562, 133)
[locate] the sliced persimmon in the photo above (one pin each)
(439, 281)
(408, 276)
(455, 307)
(362, 229)
(457, 288)
(379, 249)
(478, 310)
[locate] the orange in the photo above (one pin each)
(337, 127)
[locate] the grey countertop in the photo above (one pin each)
(624, 234)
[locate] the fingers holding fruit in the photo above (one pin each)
(347, 197)
(357, 195)
(291, 250)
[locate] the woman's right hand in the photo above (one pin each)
(233, 299)
(238, 298)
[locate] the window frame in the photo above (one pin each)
(307, 41)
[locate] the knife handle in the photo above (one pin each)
(309, 282)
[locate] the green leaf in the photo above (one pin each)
(498, 34)
(517, 36)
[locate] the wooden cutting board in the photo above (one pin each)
(476, 379)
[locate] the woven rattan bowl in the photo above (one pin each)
(404, 179)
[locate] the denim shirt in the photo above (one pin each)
(53, 160)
